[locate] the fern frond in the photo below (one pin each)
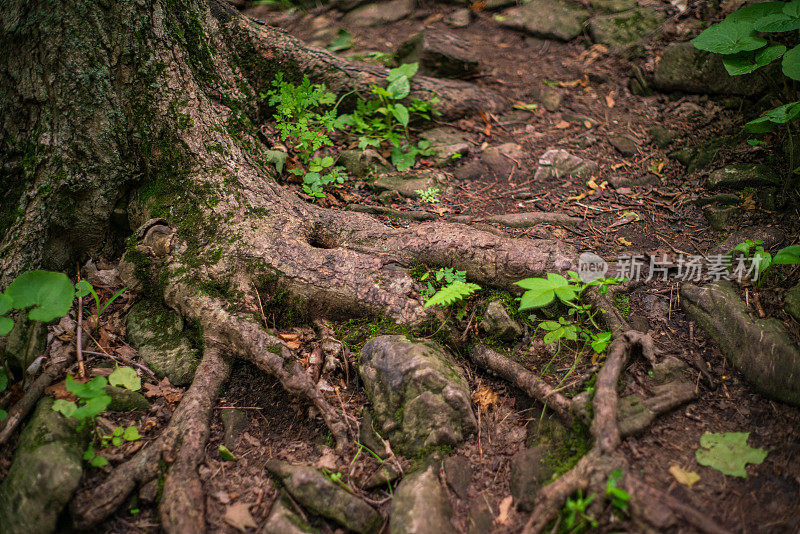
(453, 292)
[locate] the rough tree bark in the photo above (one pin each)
(118, 113)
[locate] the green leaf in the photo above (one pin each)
(747, 62)
(6, 303)
(93, 407)
(728, 453)
(542, 291)
(275, 157)
(786, 256)
(89, 453)
(403, 160)
(750, 15)
(787, 19)
(116, 441)
(83, 288)
(98, 461)
(89, 390)
(550, 325)
(50, 294)
(406, 69)
(3, 380)
(342, 41)
(227, 455)
(327, 161)
(3, 415)
(65, 408)
(400, 113)
(125, 377)
(131, 434)
(118, 431)
(451, 293)
(400, 88)
(780, 115)
(729, 38)
(6, 325)
(791, 63)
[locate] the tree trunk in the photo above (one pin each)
(116, 113)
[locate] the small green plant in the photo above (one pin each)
(746, 41)
(84, 288)
(321, 172)
(763, 261)
(453, 287)
(386, 118)
(574, 518)
(541, 292)
(342, 41)
(381, 58)
(337, 478)
(3, 385)
(619, 497)
(430, 195)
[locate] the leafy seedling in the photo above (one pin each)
(452, 293)
(125, 377)
(49, 294)
(728, 453)
(619, 497)
(226, 454)
(342, 41)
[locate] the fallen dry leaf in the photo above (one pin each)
(624, 241)
(505, 509)
(238, 516)
(610, 102)
(485, 397)
(562, 125)
(687, 478)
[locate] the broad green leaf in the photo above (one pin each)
(98, 461)
(116, 441)
(65, 408)
(779, 22)
(780, 115)
(747, 62)
(6, 303)
(751, 14)
(118, 431)
(131, 434)
(91, 389)
(554, 336)
(792, 9)
(786, 256)
(93, 407)
(3, 380)
(89, 453)
(791, 63)
(226, 454)
(400, 88)
(407, 70)
(728, 38)
(327, 161)
(550, 325)
(764, 260)
(403, 160)
(125, 377)
(83, 288)
(6, 325)
(50, 294)
(3, 414)
(400, 113)
(342, 41)
(728, 453)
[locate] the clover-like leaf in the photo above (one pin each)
(747, 62)
(791, 63)
(131, 434)
(407, 70)
(64, 407)
(6, 325)
(125, 377)
(542, 291)
(226, 454)
(728, 453)
(49, 293)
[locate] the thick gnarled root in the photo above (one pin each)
(182, 442)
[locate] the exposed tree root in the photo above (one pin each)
(591, 472)
(182, 443)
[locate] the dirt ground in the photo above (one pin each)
(595, 86)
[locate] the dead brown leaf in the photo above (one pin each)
(610, 102)
(687, 478)
(238, 516)
(485, 397)
(505, 510)
(563, 125)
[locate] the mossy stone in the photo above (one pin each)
(125, 400)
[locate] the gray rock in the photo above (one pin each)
(549, 97)
(624, 144)
(558, 163)
(613, 6)
(720, 217)
(379, 14)
(698, 157)
(791, 302)
(26, 341)
(446, 142)
(663, 137)
(528, 472)
(439, 54)
(157, 333)
(549, 19)
(685, 68)
(771, 237)
(501, 160)
(45, 472)
(125, 400)
(233, 423)
(760, 349)
(386, 474)
(420, 399)
(471, 170)
(421, 505)
(460, 18)
(742, 175)
(370, 438)
(405, 184)
(315, 492)
(363, 163)
(618, 30)
(458, 473)
(497, 323)
(282, 520)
